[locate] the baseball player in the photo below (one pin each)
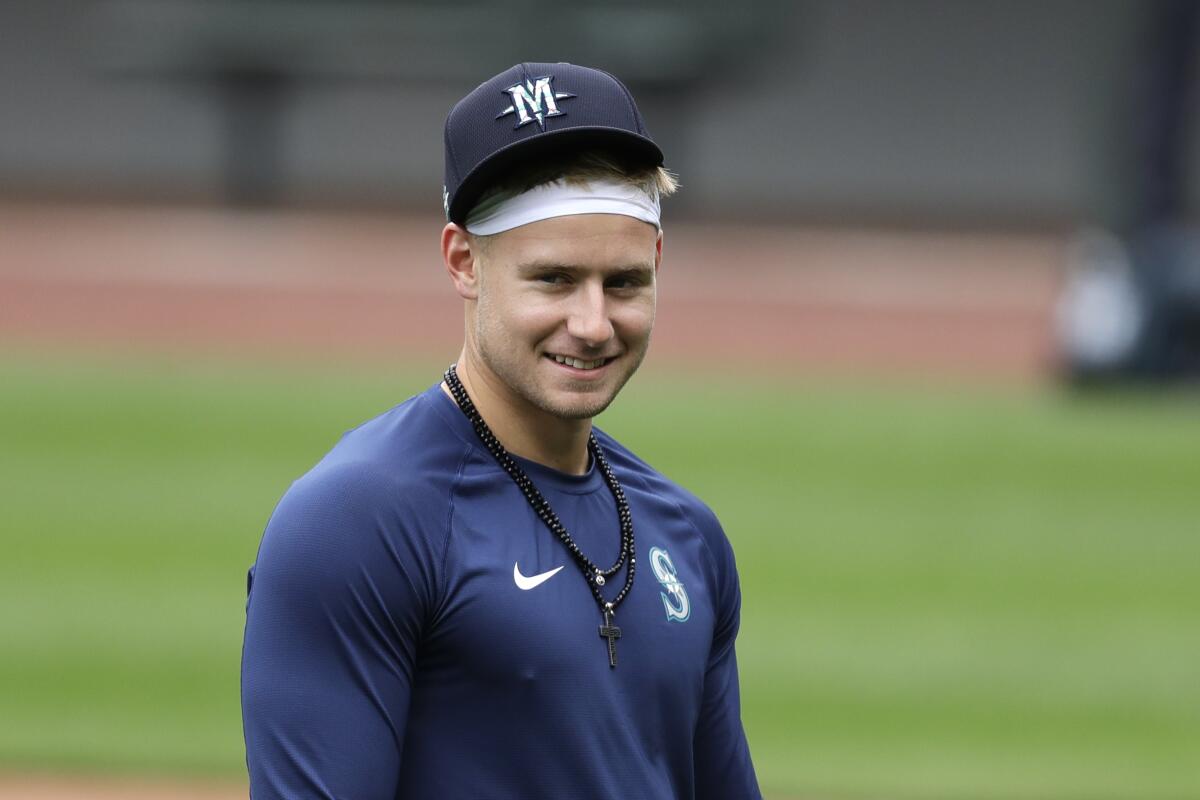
(477, 594)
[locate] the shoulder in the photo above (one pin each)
(634, 472)
(388, 475)
(378, 498)
(402, 454)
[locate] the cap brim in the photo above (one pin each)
(623, 143)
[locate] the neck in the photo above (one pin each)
(524, 429)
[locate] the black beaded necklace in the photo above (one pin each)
(594, 576)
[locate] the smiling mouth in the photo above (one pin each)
(579, 363)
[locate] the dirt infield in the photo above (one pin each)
(308, 285)
(74, 788)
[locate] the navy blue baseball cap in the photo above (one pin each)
(532, 111)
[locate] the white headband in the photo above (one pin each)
(560, 199)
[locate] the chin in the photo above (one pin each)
(575, 407)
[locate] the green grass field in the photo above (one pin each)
(946, 594)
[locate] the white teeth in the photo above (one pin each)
(579, 363)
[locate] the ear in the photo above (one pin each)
(462, 262)
(658, 252)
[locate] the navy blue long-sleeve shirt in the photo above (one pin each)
(390, 652)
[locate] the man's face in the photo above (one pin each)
(565, 309)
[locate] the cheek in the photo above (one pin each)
(635, 318)
(519, 313)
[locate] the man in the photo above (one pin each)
(476, 594)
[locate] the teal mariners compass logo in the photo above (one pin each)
(534, 100)
(675, 599)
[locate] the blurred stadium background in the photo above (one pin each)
(928, 340)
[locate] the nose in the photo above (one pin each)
(588, 320)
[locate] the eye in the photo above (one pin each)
(552, 278)
(627, 281)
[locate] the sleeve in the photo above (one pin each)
(338, 599)
(721, 753)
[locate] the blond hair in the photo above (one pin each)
(579, 168)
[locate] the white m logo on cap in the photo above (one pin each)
(534, 100)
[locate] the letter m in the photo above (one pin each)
(534, 100)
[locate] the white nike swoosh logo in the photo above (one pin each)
(532, 581)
